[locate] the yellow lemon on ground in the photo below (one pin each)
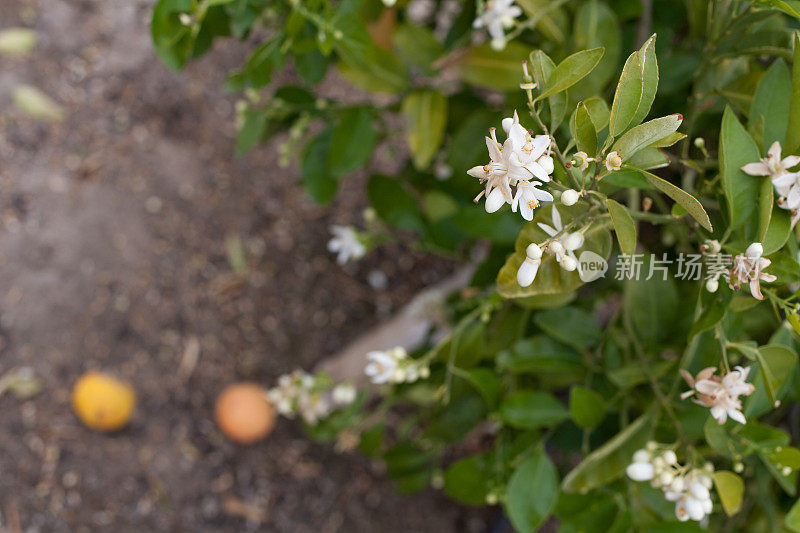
(103, 402)
(243, 413)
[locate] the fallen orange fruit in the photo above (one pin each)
(103, 402)
(243, 413)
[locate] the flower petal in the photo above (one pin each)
(756, 169)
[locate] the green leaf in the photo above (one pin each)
(649, 158)
(532, 493)
(570, 71)
(650, 305)
(771, 101)
(645, 134)
(608, 462)
(393, 203)
(543, 355)
(570, 325)
(486, 382)
(636, 89)
(417, 45)
(776, 364)
(585, 132)
(172, 40)
(737, 149)
(765, 203)
(255, 123)
(486, 67)
(352, 141)
(426, 118)
(586, 407)
(467, 481)
(730, 489)
(551, 279)
(315, 174)
(597, 25)
(624, 226)
(790, 7)
(541, 69)
(792, 518)
(779, 230)
(683, 198)
(531, 409)
(793, 129)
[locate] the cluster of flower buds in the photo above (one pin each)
(311, 397)
(687, 487)
(561, 244)
(394, 366)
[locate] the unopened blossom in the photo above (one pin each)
(720, 394)
(346, 244)
(772, 165)
(688, 488)
(569, 197)
(497, 16)
(563, 246)
(343, 394)
(530, 266)
(749, 268)
(394, 366)
(613, 161)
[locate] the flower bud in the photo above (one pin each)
(670, 457)
(699, 491)
(568, 263)
(738, 467)
(677, 485)
(507, 123)
(641, 456)
(555, 248)
(666, 478)
(695, 509)
(573, 241)
(754, 251)
(547, 164)
(640, 471)
(533, 251)
(527, 271)
(569, 197)
(712, 285)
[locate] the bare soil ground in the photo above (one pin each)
(113, 256)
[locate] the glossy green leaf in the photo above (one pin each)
(586, 407)
(585, 132)
(393, 203)
(730, 489)
(426, 118)
(531, 409)
(686, 200)
(737, 149)
(532, 492)
(352, 141)
(485, 67)
(649, 158)
(792, 518)
(315, 172)
(624, 226)
(486, 382)
(776, 363)
(570, 325)
(793, 129)
(771, 101)
(570, 71)
(467, 481)
(598, 26)
(646, 134)
(541, 67)
(608, 462)
(255, 123)
(636, 89)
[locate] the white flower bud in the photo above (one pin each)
(670, 457)
(699, 491)
(527, 271)
(695, 509)
(738, 467)
(708, 507)
(569, 197)
(659, 463)
(568, 263)
(707, 482)
(666, 478)
(754, 251)
(424, 372)
(712, 285)
(555, 248)
(533, 251)
(640, 471)
(677, 485)
(573, 241)
(507, 123)
(680, 510)
(641, 456)
(546, 163)
(786, 470)
(651, 445)
(673, 496)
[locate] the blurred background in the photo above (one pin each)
(133, 241)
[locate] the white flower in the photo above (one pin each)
(530, 266)
(788, 188)
(528, 197)
(343, 394)
(565, 244)
(346, 243)
(381, 367)
(497, 173)
(720, 394)
(569, 197)
(582, 160)
(613, 161)
(496, 17)
(749, 268)
(772, 165)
